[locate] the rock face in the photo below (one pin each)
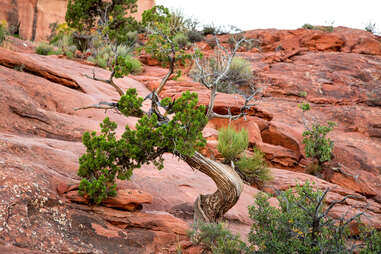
(30, 19)
(40, 143)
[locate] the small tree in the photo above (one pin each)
(175, 128)
(317, 145)
(300, 225)
(164, 30)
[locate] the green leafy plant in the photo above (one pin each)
(254, 168)
(371, 28)
(3, 31)
(232, 143)
(317, 145)
(300, 225)
(45, 49)
(166, 39)
(108, 157)
(308, 26)
(217, 239)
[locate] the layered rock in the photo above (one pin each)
(40, 143)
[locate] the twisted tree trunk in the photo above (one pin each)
(211, 207)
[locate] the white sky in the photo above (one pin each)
(281, 14)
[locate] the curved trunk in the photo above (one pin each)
(211, 207)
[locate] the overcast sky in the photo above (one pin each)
(282, 14)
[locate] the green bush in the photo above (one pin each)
(317, 145)
(329, 28)
(239, 71)
(308, 26)
(131, 64)
(254, 168)
(131, 38)
(195, 36)
(3, 31)
(300, 225)
(210, 29)
(232, 143)
(182, 40)
(45, 49)
(371, 27)
(217, 239)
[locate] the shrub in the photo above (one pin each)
(371, 27)
(232, 143)
(182, 40)
(216, 238)
(131, 38)
(195, 36)
(132, 64)
(254, 168)
(3, 31)
(210, 29)
(308, 26)
(45, 49)
(300, 225)
(317, 145)
(328, 28)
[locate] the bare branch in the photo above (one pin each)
(107, 81)
(333, 205)
(100, 105)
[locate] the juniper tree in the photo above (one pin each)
(170, 126)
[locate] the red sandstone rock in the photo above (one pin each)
(40, 144)
(129, 200)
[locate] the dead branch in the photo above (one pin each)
(100, 105)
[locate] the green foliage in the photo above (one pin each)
(217, 239)
(308, 26)
(210, 29)
(371, 28)
(232, 143)
(126, 65)
(317, 145)
(298, 226)
(372, 241)
(302, 94)
(166, 37)
(195, 36)
(3, 31)
(108, 157)
(130, 104)
(254, 168)
(45, 49)
(83, 14)
(181, 40)
(328, 28)
(305, 107)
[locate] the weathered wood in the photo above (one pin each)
(211, 207)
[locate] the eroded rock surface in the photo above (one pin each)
(40, 143)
